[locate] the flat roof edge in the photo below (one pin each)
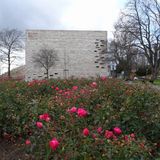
(27, 30)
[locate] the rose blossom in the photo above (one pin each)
(72, 110)
(117, 130)
(108, 134)
(94, 84)
(60, 91)
(45, 117)
(27, 142)
(132, 135)
(94, 136)
(74, 88)
(54, 144)
(126, 138)
(81, 112)
(56, 88)
(99, 130)
(52, 87)
(39, 124)
(86, 132)
(103, 78)
(114, 137)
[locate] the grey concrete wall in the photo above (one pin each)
(79, 53)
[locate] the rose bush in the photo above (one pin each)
(81, 119)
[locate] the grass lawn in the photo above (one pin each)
(157, 82)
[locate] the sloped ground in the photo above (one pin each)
(16, 73)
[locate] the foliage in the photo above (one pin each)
(77, 119)
(143, 71)
(157, 82)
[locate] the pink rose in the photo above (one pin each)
(108, 134)
(54, 144)
(117, 130)
(41, 117)
(27, 142)
(29, 84)
(132, 135)
(60, 91)
(86, 132)
(82, 112)
(126, 138)
(45, 117)
(72, 110)
(39, 124)
(74, 88)
(114, 137)
(99, 130)
(56, 88)
(94, 136)
(94, 84)
(103, 78)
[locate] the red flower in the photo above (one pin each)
(29, 84)
(132, 135)
(60, 91)
(82, 112)
(108, 134)
(114, 137)
(39, 124)
(94, 136)
(45, 117)
(74, 88)
(27, 142)
(99, 130)
(94, 84)
(86, 132)
(56, 88)
(126, 138)
(117, 130)
(103, 78)
(54, 144)
(72, 110)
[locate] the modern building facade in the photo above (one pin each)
(80, 53)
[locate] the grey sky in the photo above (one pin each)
(25, 14)
(59, 14)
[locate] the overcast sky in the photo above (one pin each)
(60, 14)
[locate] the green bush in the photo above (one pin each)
(143, 71)
(108, 104)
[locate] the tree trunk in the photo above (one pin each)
(47, 73)
(9, 66)
(154, 74)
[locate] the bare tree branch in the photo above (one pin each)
(10, 41)
(46, 58)
(142, 20)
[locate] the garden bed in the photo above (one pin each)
(79, 119)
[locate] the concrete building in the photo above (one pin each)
(80, 53)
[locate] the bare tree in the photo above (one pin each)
(142, 20)
(11, 41)
(123, 49)
(46, 58)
